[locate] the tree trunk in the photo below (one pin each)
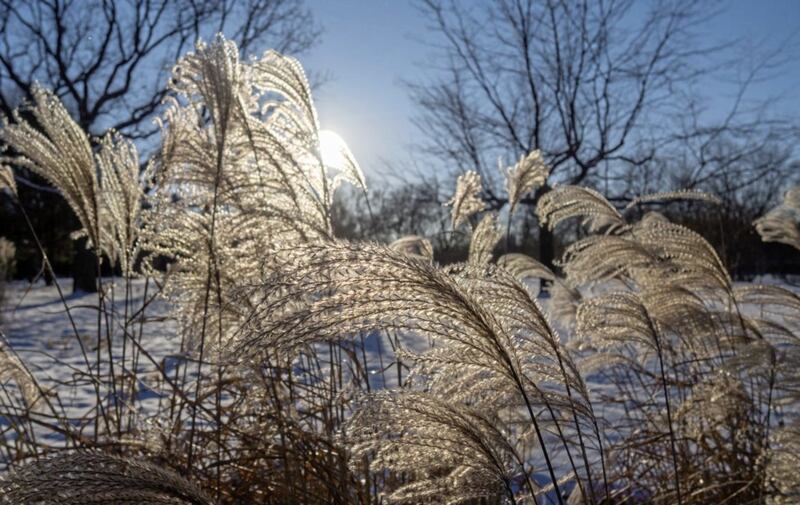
(546, 248)
(84, 268)
(546, 245)
(546, 256)
(48, 277)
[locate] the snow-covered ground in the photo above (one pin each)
(37, 325)
(39, 328)
(35, 321)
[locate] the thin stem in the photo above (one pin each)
(660, 353)
(94, 380)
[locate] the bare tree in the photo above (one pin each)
(108, 60)
(572, 78)
(404, 209)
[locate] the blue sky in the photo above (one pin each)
(369, 46)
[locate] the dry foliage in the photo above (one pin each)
(673, 386)
(782, 224)
(86, 477)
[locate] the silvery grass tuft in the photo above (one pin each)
(649, 376)
(782, 224)
(466, 200)
(87, 477)
(240, 168)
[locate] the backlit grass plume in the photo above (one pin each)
(529, 174)
(493, 345)
(309, 369)
(241, 168)
(101, 186)
(7, 180)
(53, 146)
(484, 239)
(466, 200)
(121, 196)
(706, 357)
(87, 477)
(782, 224)
(12, 370)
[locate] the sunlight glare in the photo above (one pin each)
(332, 149)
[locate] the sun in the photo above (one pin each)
(332, 149)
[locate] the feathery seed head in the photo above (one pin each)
(529, 174)
(7, 179)
(466, 200)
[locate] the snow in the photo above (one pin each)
(34, 320)
(36, 323)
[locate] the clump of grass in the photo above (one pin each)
(86, 477)
(672, 383)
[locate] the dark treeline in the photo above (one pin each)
(418, 209)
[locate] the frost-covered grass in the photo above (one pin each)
(271, 362)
